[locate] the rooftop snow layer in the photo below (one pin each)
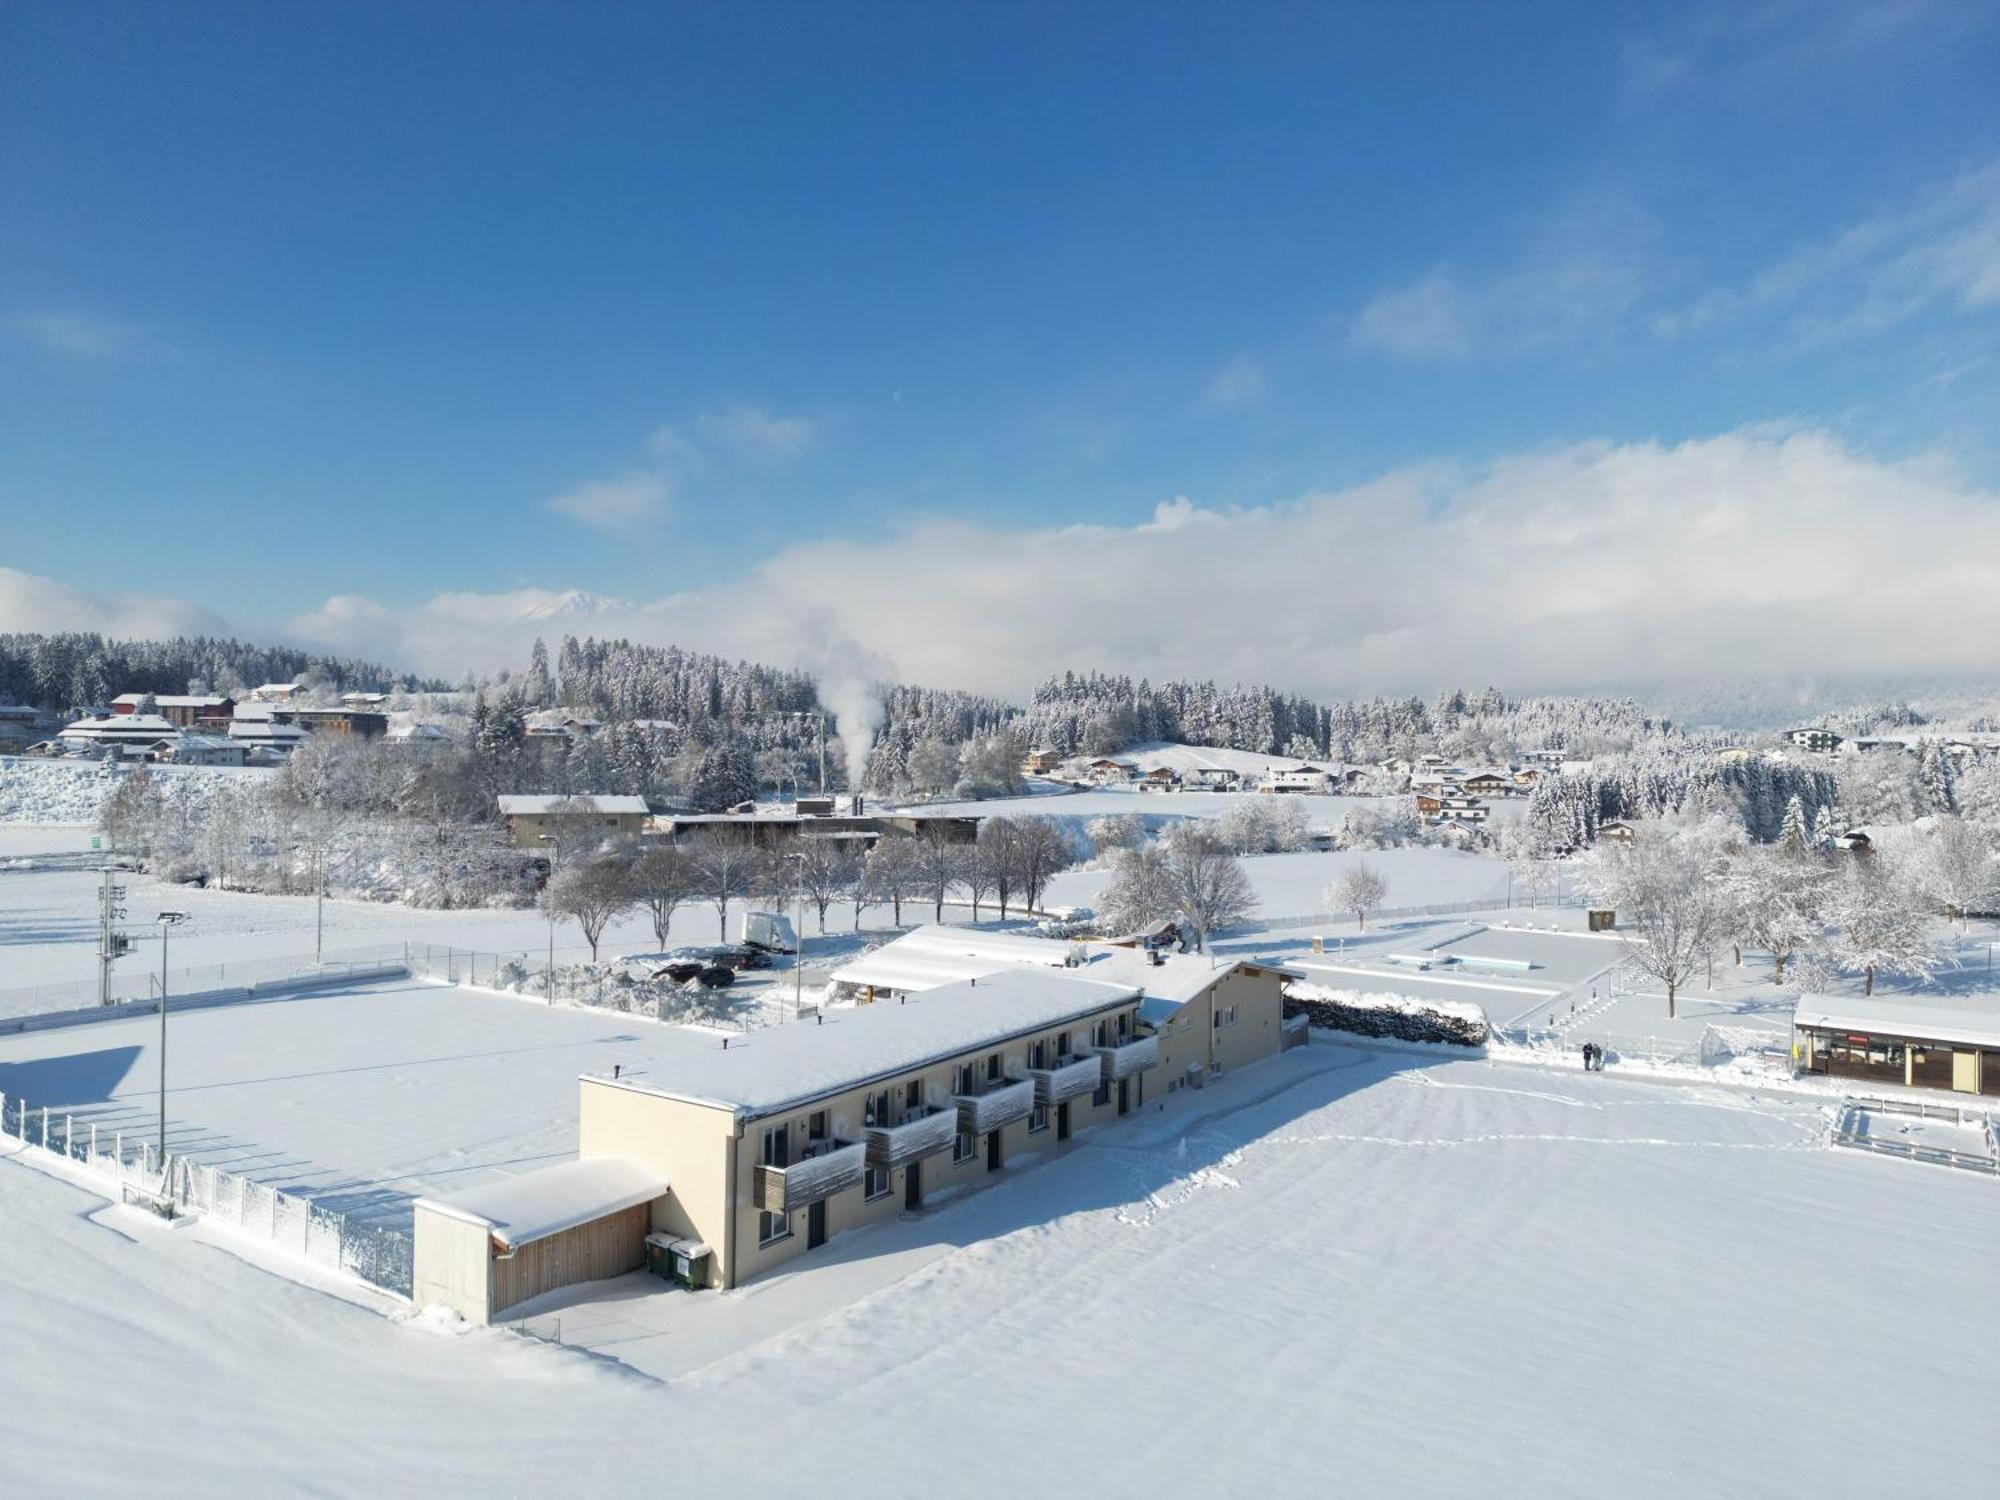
(535, 1205)
(779, 1067)
(515, 804)
(1965, 1023)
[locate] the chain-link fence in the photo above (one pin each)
(135, 1171)
(578, 980)
(143, 984)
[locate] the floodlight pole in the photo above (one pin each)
(167, 920)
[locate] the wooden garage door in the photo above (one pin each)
(609, 1246)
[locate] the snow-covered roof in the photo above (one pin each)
(933, 957)
(534, 1205)
(187, 742)
(514, 804)
(122, 726)
(775, 1068)
(167, 700)
(1963, 1022)
(249, 728)
(416, 732)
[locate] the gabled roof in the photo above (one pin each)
(1963, 1023)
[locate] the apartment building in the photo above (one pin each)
(794, 1135)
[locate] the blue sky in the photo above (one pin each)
(401, 301)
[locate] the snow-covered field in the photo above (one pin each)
(36, 791)
(1292, 885)
(1343, 1271)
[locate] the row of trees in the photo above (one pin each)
(1008, 867)
(1685, 890)
(81, 669)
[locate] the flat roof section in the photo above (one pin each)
(1963, 1023)
(782, 1067)
(534, 1205)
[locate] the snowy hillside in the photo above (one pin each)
(70, 791)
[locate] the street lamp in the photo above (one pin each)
(548, 907)
(168, 920)
(799, 932)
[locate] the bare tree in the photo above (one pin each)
(590, 893)
(662, 880)
(1359, 889)
(725, 861)
(1669, 907)
(977, 873)
(1955, 867)
(1041, 852)
(1139, 892)
(999, 852)
(824, 870)
(1206, 881)
(935, 856)
(890, 874)
(1878, 925)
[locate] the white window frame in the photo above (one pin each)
(764, 1222)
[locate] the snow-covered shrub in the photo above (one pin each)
(1386, 1015)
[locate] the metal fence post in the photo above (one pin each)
(45, 1127)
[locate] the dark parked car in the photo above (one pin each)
(741, 958)
(681, 973)
(718, 976)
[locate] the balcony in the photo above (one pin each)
(1067, 1078)
(1001, 1104)
(919, 1136)
(832, 1167)
(1127, 1058)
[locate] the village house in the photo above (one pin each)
(1820, 741)
(538, 820)
(554, 724)
(20, 727)
(184, 711)
(274, 692)
(1107, 772)
(360, 724)
(1488, 784)
(1040, 762)
(1214, 779)
(1160, 779)
(1616, 831)
(1526, 778)
(132, 736)
(265, 737)
(1294, 780)
(205, 750)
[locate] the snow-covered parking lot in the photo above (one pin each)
(1344, 1271)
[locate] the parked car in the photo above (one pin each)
(683, 971)
(718, 976)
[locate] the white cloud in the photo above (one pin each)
(80, 335)
(1940, 249)
(754, 433)
(627, 503)
(1433, 318)
(1240, 382)
(1754, 552)
(30, 602)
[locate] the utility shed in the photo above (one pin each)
(484, 1250)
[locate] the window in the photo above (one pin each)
(1038, 1118)
(816, 1126)
(962, 1147)
(913, 1096)
(777, 1146)
(1038, 1052)
(1062, 1045)
(1124, 1026)
(1100, 1035)
(993, 1068)
(876, 1111)
(772, 1227)
(961, 1079)
(875, 1184)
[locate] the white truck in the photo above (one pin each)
(768, 930)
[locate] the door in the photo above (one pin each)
(992, 1150)
(1062, 1121)
(913, 1185)
(816, 1225)
(1124, 1096)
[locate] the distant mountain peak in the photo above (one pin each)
(573, 602)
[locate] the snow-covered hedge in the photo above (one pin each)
(1387, 1015)
(73, 791)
